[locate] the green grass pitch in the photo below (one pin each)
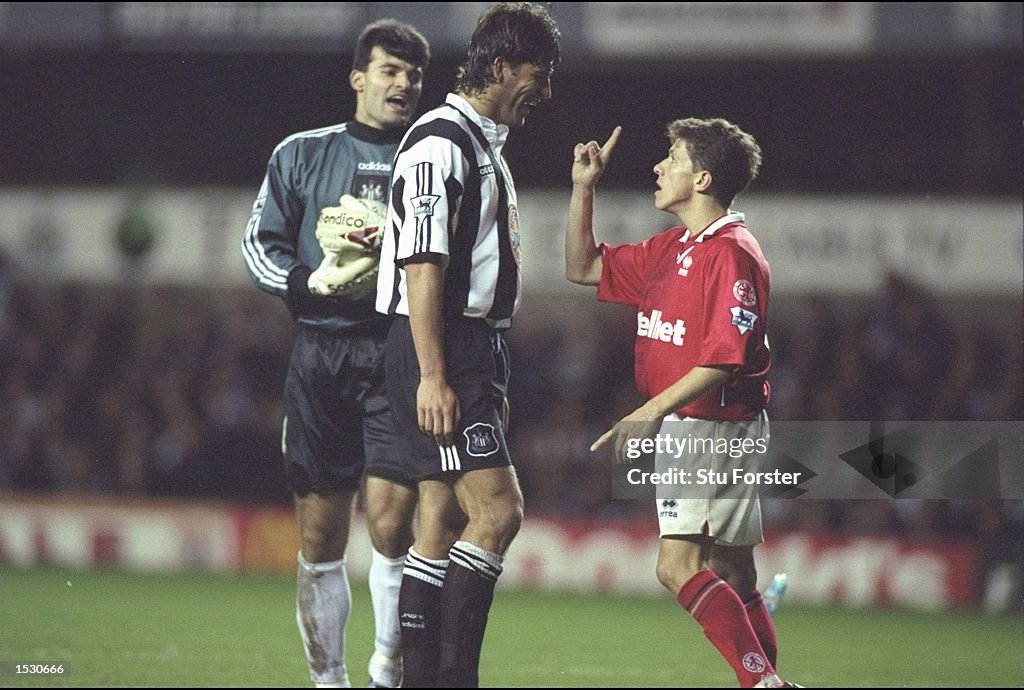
(126, 629)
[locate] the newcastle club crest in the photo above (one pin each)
(480, 440)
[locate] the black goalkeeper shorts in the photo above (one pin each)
(476, 358)
(337, 419)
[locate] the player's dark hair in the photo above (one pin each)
(402, 40)
(731, 155)
(519, 32)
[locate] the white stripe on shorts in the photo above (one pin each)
(449, 459)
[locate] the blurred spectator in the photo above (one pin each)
(174, 391)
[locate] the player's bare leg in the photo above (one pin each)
(324, 521)
(389, 511)
(440, 522)
(679, 559)
(493, 504)
(323, 598)
(735, 565)
(715, 606)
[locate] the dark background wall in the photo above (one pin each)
(942, 125)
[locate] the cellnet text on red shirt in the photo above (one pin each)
(701, 300)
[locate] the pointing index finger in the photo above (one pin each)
(609, 145)
(601, 441)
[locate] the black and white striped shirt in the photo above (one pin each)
(452, 194)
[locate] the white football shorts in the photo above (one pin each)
(712, 462)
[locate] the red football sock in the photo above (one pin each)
(763, 626)
(720, 612)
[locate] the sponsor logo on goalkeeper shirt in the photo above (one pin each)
(374, 166)
(335, 215)
(654, 328)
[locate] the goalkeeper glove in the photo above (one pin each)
(354, 220)
(350, 235)
(349, 274)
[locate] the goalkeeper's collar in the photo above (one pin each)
(373, 135)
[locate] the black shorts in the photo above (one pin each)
(476, 360)
(337, 420)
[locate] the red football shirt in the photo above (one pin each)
(702, 300)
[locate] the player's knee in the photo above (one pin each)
(390, 532)
(674, 572)
(743, 580)
(501, 520)
(740, 575)
(452, 526)
(322, 546)
(513, 521)
(435, 533)
(669, 577)
(385, 519)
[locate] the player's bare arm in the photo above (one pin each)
(645, 420)
(437, 406)
(582, 257)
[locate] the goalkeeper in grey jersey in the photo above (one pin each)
(313, 241)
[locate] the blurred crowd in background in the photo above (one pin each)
(169, 391)
(175, 391)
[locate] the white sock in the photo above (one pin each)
(385, 584)
(322, 604)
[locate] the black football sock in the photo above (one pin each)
(419, 613)
(465, 602)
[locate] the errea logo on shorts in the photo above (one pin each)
(654, 328)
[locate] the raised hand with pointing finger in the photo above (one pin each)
(582, 257)
(589, 160)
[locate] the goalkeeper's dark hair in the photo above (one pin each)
(402, 40)
(519, 32)
(732, 156)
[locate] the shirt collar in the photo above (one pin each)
(373, 135)
(494, 133)
(727, 219)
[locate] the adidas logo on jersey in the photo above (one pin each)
(654, 328)
(375, 166)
